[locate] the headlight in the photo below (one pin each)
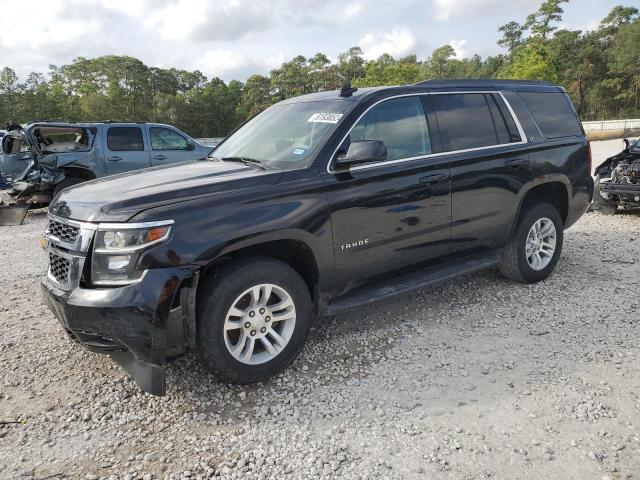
(117, 247)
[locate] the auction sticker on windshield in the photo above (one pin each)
(325, 117)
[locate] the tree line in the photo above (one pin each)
(599, 68)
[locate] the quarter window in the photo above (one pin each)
(125, 139)
(465, 121)
(401, 125)
(553, 113)
(165, 139)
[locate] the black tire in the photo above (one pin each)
(66, 183)
(599, 204)
(217, 295)
(513, 261)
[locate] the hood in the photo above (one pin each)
(120, 197)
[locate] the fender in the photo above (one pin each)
(536, 182)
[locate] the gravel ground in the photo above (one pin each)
(479, 378)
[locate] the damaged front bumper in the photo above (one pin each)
(141, 326)
(626, 195)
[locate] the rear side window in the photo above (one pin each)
(401, 125)
(125, 139)
(553, 113)
(465, 121)
(505, 126)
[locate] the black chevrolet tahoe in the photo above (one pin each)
(318, 204)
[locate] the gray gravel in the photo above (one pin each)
(479, 378)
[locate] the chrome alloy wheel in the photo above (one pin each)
(259, 324)
(541, 244)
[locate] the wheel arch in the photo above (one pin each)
(79, 172)
(555, 191)
(289, 247)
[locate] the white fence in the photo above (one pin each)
(611, 125)
(209, 142)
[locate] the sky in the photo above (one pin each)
(233, 39)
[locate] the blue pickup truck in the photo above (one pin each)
(43, 158)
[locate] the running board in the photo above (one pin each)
(412, 281)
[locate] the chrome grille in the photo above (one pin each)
(59, 268)
(64, 232)
(68, 242)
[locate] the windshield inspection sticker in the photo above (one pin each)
(325, 117)
(301, 150)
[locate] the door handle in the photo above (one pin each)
(433, 179)
(160, 157)
(115, 158)
(519, 162)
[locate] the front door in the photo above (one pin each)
(391, 214)
(168, 146)
(125, 149)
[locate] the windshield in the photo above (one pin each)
(284, 136)
(636, 146)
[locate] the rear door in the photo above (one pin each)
(126, 149)
(489, 165)
(391, 214)
(169, 145)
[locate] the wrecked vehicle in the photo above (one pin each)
(618, 180)
(43, 158)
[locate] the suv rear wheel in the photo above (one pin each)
(253, 319)
(533, 250)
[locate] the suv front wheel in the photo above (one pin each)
(532, 252)
(253, 319)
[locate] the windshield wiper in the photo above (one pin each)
(245, 160)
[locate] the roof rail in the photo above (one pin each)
(482, 81)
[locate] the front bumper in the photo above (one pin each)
(620, 194)
(141, 326)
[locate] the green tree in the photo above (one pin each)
(511, 35)
(388, 71)
(542, 22)
(9, 89)
(441, 63)
(293, 78)
(533, 61)
(351, 64)
(617, 17)
(624, 73)
(256, 95)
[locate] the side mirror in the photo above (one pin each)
(190, 147)
(363, 151)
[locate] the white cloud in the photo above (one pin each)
(219, 62)
(446, 9)
(42, 32)
(459, 47)
(396, 42)
(352, 10)
(233, 64)
(228, 20)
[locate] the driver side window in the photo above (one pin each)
(400, 123)
(165, 139)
